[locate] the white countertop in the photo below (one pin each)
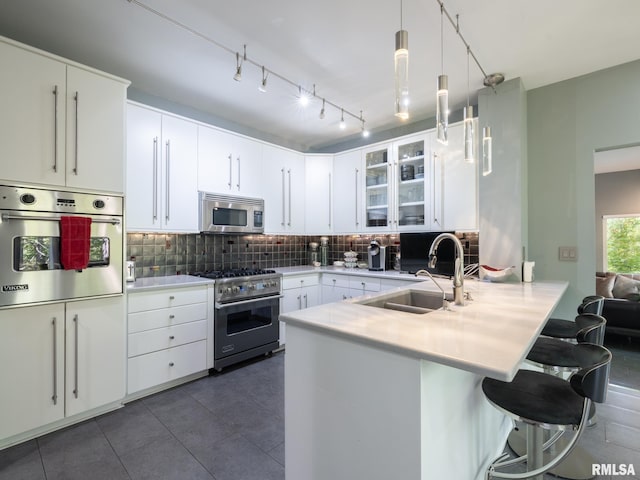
(286, 271)
(489, 336)
(151, 283)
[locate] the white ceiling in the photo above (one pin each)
(343, 47)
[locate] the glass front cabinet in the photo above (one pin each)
(400, 187)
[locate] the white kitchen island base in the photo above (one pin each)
(355, 412)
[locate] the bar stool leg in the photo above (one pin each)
(534, 449)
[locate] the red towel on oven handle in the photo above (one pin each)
(75, 238)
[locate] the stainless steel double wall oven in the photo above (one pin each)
(30, 267)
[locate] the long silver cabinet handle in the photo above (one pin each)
(155, 178)
(299, 302)
(77, 101)
(330, 198)
(230, 171)
(238, 184)
(289, 172)
(167, 214)
(283, 194)
(356, 190)
(75, 390)
(55, 128)
(435, 216)
(306, 301)
(55, 361)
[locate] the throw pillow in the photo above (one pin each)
(624, 287)
(604, 286)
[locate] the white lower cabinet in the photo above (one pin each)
(59, 360)
(170, 335)
(299, 292)
(335, 288)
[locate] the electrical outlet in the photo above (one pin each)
(568, 254)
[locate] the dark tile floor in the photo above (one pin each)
(231, 427)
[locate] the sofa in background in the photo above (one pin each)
(621, 309)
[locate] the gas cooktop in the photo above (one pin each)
(233, 272)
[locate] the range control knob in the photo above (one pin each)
(98, 204)
(27, 199)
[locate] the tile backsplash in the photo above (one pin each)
(159, 254)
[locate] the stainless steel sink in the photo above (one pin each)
(411, 301)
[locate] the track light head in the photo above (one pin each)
(322, 110)
(263, 84)
(342, 125)
(303, 98)
(238, 76)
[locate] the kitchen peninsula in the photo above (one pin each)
(376, 393)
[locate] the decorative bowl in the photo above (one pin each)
(496, 275)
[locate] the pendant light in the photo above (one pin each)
(442, 100)
(487, 147)
(342, 123)
(468, 124)
(401, 61)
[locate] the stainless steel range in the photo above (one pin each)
(247, 306)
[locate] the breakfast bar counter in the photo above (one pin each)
(377, 393)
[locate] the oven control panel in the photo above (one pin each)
(244, 288)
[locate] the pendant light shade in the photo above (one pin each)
(401, 60)
(487, 147)
(442, 110)
(468, 134)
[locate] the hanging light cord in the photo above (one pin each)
(245, 58)
(441, 39)
(457, 28)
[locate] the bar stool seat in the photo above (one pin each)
(543, 401)
(566, 329)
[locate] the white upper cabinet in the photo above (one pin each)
(459, 183)
(348, 196)
(378, 177)
(228, 163)
(61, 125)
(162, 172)
(319, 194)
(283, 190)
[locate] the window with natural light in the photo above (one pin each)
(622, 243)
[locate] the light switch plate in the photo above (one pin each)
(568, 254)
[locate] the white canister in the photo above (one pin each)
(527, 271)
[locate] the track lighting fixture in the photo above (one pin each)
(241, 60)
(322, 110)
(238, 76)
(263, 84)
(401, 62)
(342, 125)
(303, 98)
(365, 132)
(442, 95)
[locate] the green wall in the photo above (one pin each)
(566, 123)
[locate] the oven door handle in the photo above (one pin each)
(219, 305)
(6, 216)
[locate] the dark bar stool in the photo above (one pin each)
(556, 357)
(567, 329)
(543, 401)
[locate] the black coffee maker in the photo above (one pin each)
(377, 256)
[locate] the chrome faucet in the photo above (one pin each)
(458, 274)
(427, 273)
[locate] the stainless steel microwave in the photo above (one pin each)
(230, 214)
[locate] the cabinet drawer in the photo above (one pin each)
(152, 300)
(155, 368)
(165, 317)
(161, 338)
(388, 283)
(300, 281)
(333, 280)
(365, 284)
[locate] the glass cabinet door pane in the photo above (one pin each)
(410, 181)
(377, 185)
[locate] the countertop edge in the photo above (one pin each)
(168, 281)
